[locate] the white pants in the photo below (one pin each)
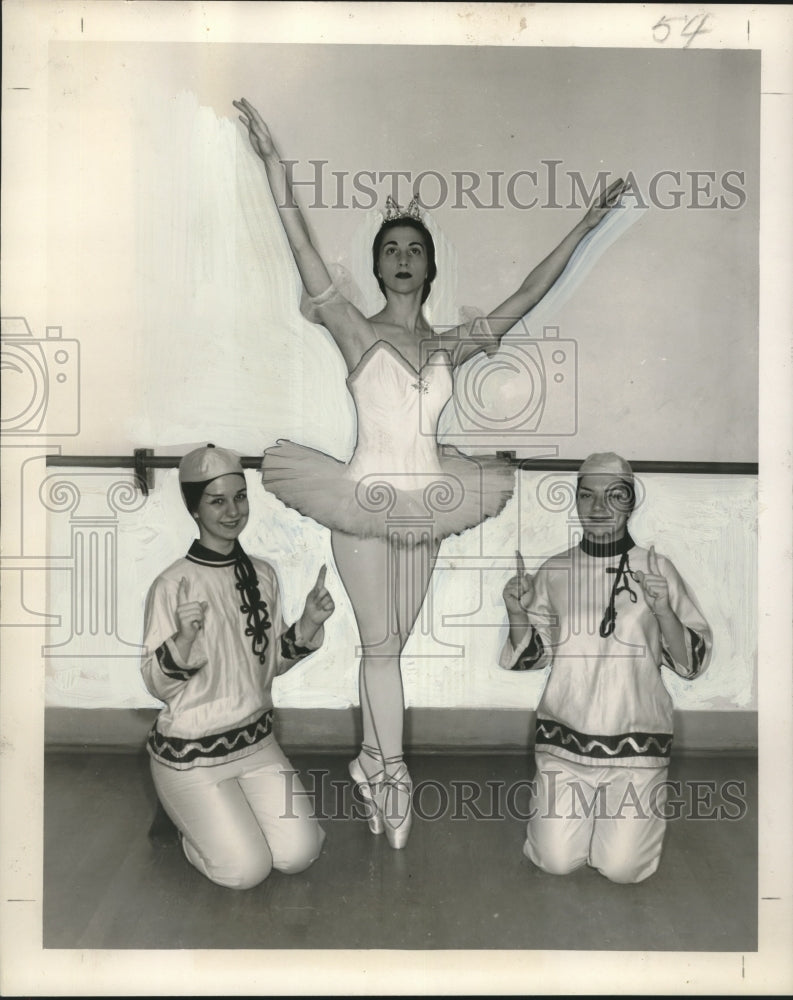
(608, 817)
(241, 819)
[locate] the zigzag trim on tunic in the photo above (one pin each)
(180, 753)
(605, 748)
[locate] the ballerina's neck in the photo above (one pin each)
(404, 312)
(404, 339)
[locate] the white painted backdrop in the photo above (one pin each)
(705, 524)
(166, 261)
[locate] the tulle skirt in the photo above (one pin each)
(460, 494)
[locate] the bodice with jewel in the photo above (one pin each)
(398, 480)
(398, 409)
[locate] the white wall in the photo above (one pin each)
(705, 524)
(166, 263)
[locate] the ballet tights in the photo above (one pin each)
(386, 584)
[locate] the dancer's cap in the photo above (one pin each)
(606, 463)
(207, 463)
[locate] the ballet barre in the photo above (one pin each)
(143, 462)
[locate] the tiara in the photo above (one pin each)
(393, 211)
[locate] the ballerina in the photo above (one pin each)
(399, 496)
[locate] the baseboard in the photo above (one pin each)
(427, 730)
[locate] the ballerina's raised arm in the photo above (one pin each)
(536, 285)
(353, 334)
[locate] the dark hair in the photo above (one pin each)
(192, 493)
(429, 246)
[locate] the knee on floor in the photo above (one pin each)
(627, 871)
(242, 873)
(552, 858)
(303, 853)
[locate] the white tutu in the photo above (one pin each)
(399, 482)
(459, 494)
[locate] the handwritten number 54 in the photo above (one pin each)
(693, 26)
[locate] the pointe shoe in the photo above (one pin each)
(366, 789)
(398, 821)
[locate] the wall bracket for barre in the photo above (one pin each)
(144, 472)
(141, 463)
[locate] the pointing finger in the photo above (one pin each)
(521, 571)
(652, 561)
(321, 578)
(183, 591)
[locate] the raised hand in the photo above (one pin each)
(319, 604)
(607, 201)
(654, 585)
(518, 592)
(258, 132)
(189, 614)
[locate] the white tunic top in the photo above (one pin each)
(604, 701)
(218, 703)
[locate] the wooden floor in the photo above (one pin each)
(462, 882)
